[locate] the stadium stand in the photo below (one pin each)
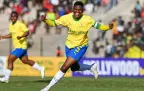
(44, 43)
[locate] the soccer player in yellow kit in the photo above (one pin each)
(18, 33)
(77, 41)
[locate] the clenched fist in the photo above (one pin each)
(42, 16)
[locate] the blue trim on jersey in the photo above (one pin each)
(19, 52)
(76, 53)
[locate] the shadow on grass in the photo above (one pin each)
(45, 81)
(32, 81)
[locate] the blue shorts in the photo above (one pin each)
(76, 53)
(19, 52)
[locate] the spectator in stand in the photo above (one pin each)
(89, 7)
(114, 30)
(55, 2)
(142, 12)
(47, 5)
(129, 28)
(18, 8)
(138, 6)
(59, 52)
(110, 49)
(1, 6)
(61, 11)
(120, 27)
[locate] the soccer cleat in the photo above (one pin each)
(94, 70)
(4, 80)
(42, 72)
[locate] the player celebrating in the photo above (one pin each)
(18, 33)
(77, 40)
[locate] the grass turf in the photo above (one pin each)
(74, 84)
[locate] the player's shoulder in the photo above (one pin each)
(66, 15)
(10, 24)
(87, 17)
(20, 23)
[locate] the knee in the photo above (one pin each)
(10, 62)
(25, 61)
(64, 68)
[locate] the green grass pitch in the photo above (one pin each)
(74, 84)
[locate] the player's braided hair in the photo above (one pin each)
(79, 3)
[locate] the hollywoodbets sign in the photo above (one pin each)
(109, 67)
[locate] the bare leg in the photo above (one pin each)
(59, 75)
(11, 60)
(10, 67)
(25, 60)
(67, 64)
(35, 65)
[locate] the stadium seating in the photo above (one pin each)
(51, 41)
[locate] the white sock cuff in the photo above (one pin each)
(35, 65)
(7, 74)
(8, 71)
(60, 73)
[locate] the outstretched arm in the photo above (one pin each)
(47, 21)
(5, 36)
(50, 22)
(61, 21)
(102, 26)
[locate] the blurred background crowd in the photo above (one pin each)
(127, 36)
(29, 10)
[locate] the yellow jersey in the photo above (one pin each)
(18, 29)
(78, 29)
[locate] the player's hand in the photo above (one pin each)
(42, 16)
(19, 37)
(111, 26)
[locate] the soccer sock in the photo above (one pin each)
(37, 66)
(84, 67)
(55, 79)
(8, 73)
